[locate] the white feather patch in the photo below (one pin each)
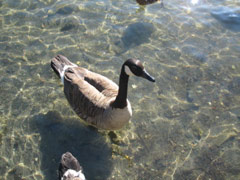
(70, 173)
(128, 71)
(63, 71)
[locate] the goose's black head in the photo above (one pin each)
(135, 67)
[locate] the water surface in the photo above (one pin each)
(185, 126)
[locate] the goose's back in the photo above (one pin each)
(90, 94)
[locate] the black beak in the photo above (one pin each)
(147, 76)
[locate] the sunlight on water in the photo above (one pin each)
(194, 2)
(185, 126)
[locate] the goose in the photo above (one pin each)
(69, 168)
(145, 2)
(95, 98)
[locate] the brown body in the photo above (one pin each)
(95, 98)
(91, 95)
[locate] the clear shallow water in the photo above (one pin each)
(185, 126)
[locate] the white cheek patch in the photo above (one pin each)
(137, 61)
(128, 71)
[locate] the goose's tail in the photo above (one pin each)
(59, 64)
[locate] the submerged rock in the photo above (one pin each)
(234, 85)
(135, 35)
(68, 27)
(66, 10)
(230, 18)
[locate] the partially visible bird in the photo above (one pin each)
(69, 168)
(145, 2)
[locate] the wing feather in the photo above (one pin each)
(88, 93)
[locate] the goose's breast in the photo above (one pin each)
(116, 118)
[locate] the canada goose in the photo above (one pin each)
(145, 2)
(69, 168)
(95, 98)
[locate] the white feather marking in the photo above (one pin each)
(63, 71)
(129, 108)
(128, 70)
(72, 173)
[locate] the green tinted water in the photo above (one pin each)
(185, 126)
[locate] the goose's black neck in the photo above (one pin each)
(121, 99)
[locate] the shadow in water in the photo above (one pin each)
(60, 135)
(229, 18)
